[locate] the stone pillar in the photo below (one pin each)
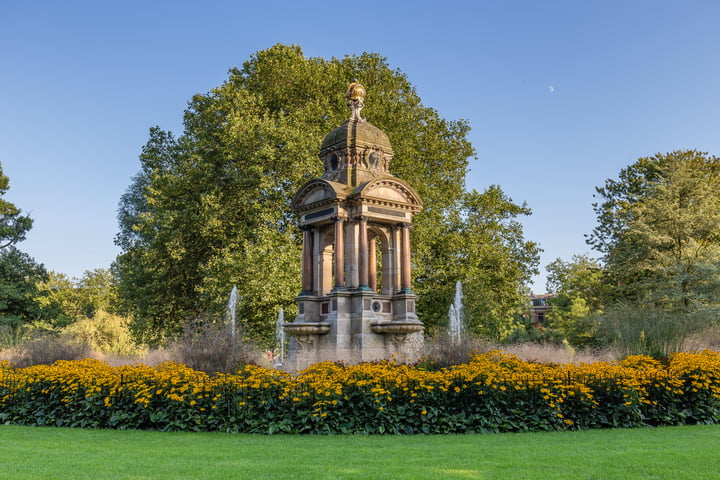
(372, 266)
(317, 261)
(351, 254)
(307, 260)
(397, 250)
(405, 259)
(339, 253)
(363, 254)
(388, 269)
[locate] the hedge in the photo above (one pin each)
(494, 392)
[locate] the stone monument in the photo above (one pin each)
(356, 302)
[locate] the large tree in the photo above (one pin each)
(19, 273)
(20, 276)
(581, 292)
(481, 244)
(13, 224)
(210, 209)
(659, 229)
(80, 298)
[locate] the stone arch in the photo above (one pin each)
(316, 193)
(390, 191)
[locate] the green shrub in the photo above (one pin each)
(105, 333)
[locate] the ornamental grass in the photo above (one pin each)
(493, 392)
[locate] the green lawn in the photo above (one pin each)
(661, 453)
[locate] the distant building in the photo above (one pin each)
(538, 307)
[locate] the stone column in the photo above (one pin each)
(339, 253)
(317, 261)
(351, 254)
(307, 260)
(388, 269)
(372, 266)
(405, 259)
(363, 254)
(396, 263)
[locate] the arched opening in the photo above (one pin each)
(324, 264)
(383, 268)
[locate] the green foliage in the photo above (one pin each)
(23, 299)
(527, 333)
(649, 330)
(19, 294)
(97, 291)
(81, 298)
(210, 209)
(581, 291)
(105, 333)
(19, 274)
(57, 291)
(659, 228)
(13, 225)
(492, 393)
(481, 244)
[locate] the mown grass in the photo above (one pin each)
(644, 453)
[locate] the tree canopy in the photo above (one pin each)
(659, 229)
(581, 290)
(80, 298)
(19, 273)
(211, 208)
(19, 278)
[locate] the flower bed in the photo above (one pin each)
(492, 393)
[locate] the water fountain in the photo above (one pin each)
(280, 338)
(232, 303)
(456, 314)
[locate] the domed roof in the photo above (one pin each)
(356, 132)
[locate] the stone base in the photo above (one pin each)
(355, 327)
(308, 350)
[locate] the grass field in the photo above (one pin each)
(661, 453)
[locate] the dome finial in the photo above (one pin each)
(355, 100)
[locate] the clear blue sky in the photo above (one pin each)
(560, 95)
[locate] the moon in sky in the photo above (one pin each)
(551, 89)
